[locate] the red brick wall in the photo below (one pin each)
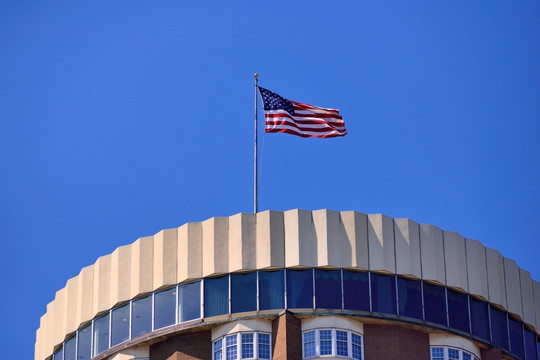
(189, 346)
(287, 338)
(390, 342)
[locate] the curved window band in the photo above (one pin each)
(307, 289)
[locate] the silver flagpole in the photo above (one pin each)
(255, 177)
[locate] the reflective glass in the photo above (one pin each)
(516, 338)
(101, 334)
(218, 349)
(325, 338)
(216, 296)
(84, 343)
(309, 344)
(434, 304)
(243, 292)
(437, 353)
(342, 343)
(383, 293)
(499, 328)
(59, 355)
(479, 318)
(356, 347)
(164, 308)
(299, 289)
(530, 345)
(247, 346)
(328, 289)
(264, 346)
(453, 354)
(467, 356)
(141, 316)
(410, 298)
(271, 290)
(231, 350)
(458, 310)
(356, 290)
(69, 349)
(120, 325)
(189, 301)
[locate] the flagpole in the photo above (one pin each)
(255, 177)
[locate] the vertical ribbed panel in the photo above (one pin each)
(38, 346)
(102, 284)
(189, 252)
(85, 295)
(49, 329)
(536, 294)
(355, 227)
(330, 237)
(270, 239)
(454, 254)
(165, 250)
(513, 287)
(477, 268)
(381, 243)
(527, 297)
(142, 265)
(300, 240)
(121, 274)
(495, 274)
(407, 238)
(215, 246)
(432, 250)
(60, 316)
(242, 242)
(72, 304)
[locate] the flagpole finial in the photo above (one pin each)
(256, 75)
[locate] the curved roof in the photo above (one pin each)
(294, 238)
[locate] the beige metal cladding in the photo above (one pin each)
(295, 238)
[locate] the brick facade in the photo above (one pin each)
(287, 338)
(389, 342)
(188, 346)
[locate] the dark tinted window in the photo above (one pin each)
(69, 349)
(189, 301)
(499, 328)
(120, 325)
(141, 316)
(458, 310)
(479, 319)
(383, 293)
(356, 290)
(101, 334)
(328, 289)
(84, 343)
(299, 289)
(271, 290)
(59, 354)
(516, 338)
(410, 298)
(530, 346)
(216, 296)
(243, 292)
(164, 308)
(434, 303)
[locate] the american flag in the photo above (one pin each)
(300, 119)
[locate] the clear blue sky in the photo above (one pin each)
(121, 118)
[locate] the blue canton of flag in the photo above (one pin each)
(300, 119)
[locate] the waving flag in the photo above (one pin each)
(300, 119)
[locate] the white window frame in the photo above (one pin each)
(333, 342)
(238, 345)
(446, 352)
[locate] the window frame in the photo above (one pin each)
(334, 343)
(446, 351)
(238, 345)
